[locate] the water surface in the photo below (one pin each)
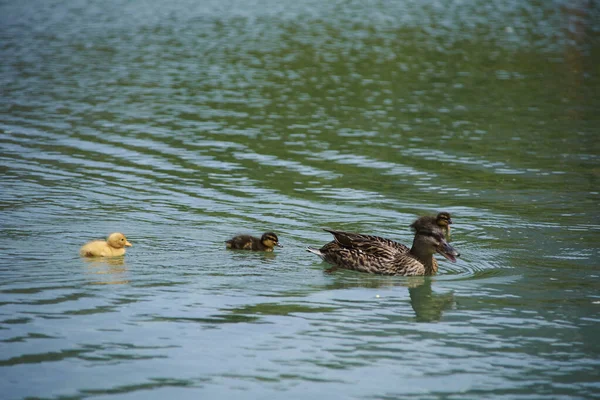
(185, 123)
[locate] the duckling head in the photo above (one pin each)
(443, 219)
(270, 240)
(426, 223)
(440, 223)
(117, 240)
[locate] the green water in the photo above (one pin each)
(182, 124)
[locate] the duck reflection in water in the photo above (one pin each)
(428, 305)
(107, 271)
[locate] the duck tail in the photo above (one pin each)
(315, 251)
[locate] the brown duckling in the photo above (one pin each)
(442, 220)
(246, 242)
(376, 255)
(113, 246)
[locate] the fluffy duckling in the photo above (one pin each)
(113, 246)
(442, 220)
(246, 242)
(376, 255)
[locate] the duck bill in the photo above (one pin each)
(128, 244)
(278, 245)
(448, 251)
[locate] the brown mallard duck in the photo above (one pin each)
(377, 255)
(443, 220)
(113, 246)
(246, 242)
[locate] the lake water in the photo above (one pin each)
(183, 123)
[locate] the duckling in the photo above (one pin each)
(376, 255)
(442, 220)
(246, 242)
(113, 246)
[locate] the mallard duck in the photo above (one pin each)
(377, 255)
(246, 242)
(443, 220)
(113, 246)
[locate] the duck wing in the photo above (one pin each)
(371, 245)
(356, 259)
(404, 264)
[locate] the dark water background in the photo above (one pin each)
(183, 123)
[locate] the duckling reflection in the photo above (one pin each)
(107, 271)
(246, 242)
(113, 246)
(377, 255)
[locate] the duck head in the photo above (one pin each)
(117, 240)
(270, 240)
(430, 241)
(445, 249)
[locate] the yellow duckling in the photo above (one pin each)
(246, 242)
(112, 247)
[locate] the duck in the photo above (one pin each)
(246, 242)
(443, 220)
(113, 246)
(377, 255)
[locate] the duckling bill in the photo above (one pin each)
(113, 246)
(246, 242)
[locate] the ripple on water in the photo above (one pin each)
(184, 123)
